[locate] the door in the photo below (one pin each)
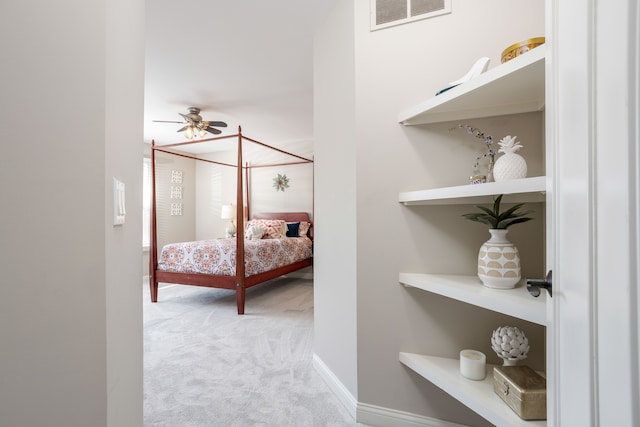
(593, 133)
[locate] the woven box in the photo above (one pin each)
(523, 390)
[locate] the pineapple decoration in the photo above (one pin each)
(510, 165)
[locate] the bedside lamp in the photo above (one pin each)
(229, 212)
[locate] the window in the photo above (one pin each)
(146, 202)
(386, 13)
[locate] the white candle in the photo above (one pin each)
(473, 364)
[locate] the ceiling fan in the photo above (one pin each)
(194, 125)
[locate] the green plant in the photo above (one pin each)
(496, 219)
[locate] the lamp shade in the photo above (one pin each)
(228, 212)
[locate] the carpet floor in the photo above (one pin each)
(205, 366)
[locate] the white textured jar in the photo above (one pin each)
(509, 166)
(499, 261)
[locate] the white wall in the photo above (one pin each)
(71, 115)
(396, 68)
(596, 125)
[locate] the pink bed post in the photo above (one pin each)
(240, 270)
(153, 242)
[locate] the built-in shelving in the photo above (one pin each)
(524, 190)
(517, 86)
(515, 302)
(477, 395)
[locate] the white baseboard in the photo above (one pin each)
(341, 392)
(374, 415)
(385, 417)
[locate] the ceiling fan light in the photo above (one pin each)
(189, 132)
(202, 132)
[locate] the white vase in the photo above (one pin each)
(499, 261)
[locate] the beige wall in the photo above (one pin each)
(396, 68)
(335, 333)
(172, 228)
(71, 119)
(175, 228)
(298, 197)
(216, 186)
(124, 92)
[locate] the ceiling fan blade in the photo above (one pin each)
(213, 130)
(182, 128)
(218, 124)
(191, 117)
(165, 121)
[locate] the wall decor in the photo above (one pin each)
(176, 209)
(510, 165)
(510, 344)
(281, 182)
(176, 177)
(387, 13)
(176, 192)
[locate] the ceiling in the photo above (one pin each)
(248, 63)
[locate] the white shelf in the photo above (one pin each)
(515, 302)
(526, 190)
(477, 395)
(517, 86)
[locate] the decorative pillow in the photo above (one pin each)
(293, 229)
(304, 228)
(273, 228)
(254, 232)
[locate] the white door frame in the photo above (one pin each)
(593, 128)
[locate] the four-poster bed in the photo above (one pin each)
(246, 262)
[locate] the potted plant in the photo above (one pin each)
(498, 258)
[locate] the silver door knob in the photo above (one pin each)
(534, 285)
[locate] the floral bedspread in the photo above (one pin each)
(219, 256)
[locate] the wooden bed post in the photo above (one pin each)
(240, 269)
(246, 191)
(153, 238)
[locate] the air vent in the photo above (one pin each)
(387, 13)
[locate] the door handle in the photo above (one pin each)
(534, 285)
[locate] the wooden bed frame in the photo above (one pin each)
(240, 282)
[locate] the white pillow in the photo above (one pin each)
(254, 232)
